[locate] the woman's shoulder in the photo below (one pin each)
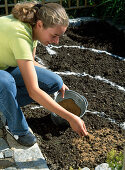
(7, 18)
(14, 26)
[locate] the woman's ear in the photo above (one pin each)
(39, 24)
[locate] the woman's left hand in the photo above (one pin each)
(63, 89)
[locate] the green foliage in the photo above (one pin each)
(70, 168)
(103, 9)
(115, 160)
(91, 2)
(114, 9)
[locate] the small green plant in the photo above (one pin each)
(115, 160)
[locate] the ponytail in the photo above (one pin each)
(25, 12)
(50, 14)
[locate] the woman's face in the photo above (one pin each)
(48, 35)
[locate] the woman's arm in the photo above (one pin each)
(64, 87)
(36, 63)
(30, 78)
(34, 52)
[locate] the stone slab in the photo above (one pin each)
(103, 166)
(8, 153)
(11, 168)
(27, 157)
(2, 117)
(1, 155)
(5, 163)
(3, 145)
(14, 155)
(1, 133)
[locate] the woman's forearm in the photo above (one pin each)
(46, 101)
(30, 78)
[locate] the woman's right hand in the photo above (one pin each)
(78, 125)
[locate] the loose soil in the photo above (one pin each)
(61, 147)
(71, 106)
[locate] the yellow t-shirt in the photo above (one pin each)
(15, 41)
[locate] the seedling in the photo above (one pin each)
(115, 160)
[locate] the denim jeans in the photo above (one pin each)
(13, 95)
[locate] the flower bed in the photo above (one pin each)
(90, 59)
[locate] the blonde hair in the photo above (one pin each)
(50, 14)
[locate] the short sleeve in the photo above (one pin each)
(22, 48)
(21, 43)
(35, 44)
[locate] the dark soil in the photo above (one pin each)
(61, 147)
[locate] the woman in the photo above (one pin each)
(22, 79)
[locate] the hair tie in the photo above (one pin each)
(37, 6)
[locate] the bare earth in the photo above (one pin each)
(100, 80)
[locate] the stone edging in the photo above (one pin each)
(15, 156)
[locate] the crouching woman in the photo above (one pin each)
(22, 79)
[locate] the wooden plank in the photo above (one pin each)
(77, 3)
(85, 3)
(61, 2)
(69, 4)
(6, 7)
(69, 7)
(2, 6)
(9, 5)
(75, 7)
(15, 1)
(46, 1)
(57, 1)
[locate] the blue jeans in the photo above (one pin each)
(13, 95)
